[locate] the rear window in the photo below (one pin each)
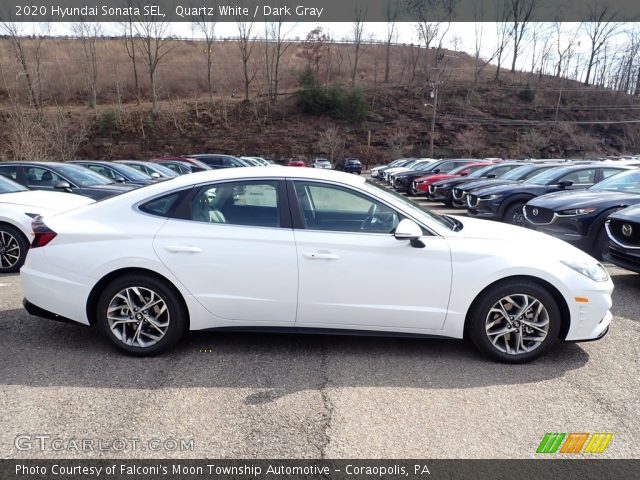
(161, 206)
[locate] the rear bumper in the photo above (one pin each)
(42, 313)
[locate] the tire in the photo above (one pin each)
(601, 245)
(484, 320)
(513, 214)
(173, 322)
(13, 249)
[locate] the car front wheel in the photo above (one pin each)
(514, 215)
(13, 249)
(141, 315)
(515, 322)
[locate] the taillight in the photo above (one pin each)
(42, 234)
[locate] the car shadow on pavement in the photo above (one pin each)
(43, 353)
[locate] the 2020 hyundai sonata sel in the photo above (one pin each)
(261, 249)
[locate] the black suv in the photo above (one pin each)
(349, 165)
(505, 202)
(623, 228)
(578, 217)
(64, 177)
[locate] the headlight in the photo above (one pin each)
(594, 271)
(492, 197)
(574, 212)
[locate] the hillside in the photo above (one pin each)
(521, 115)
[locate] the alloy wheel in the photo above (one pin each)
(138, 317)
(9, 250)
(517, 324)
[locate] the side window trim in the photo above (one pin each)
(183, 208)
(295, 207)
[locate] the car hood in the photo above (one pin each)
(522, 239)
(630, 214)
(114, 187)
(435, 177)
(396, 170)
(586, 198)
(43, 200)
(511, 188)
(488, 182)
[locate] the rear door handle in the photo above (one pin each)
(182, 249)
(321, 256)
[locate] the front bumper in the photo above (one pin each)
(629, 260)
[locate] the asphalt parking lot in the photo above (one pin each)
(297, 396)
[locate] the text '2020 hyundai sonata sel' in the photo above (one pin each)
(306, 250)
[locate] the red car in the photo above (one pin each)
(421, 185)
(297, 163)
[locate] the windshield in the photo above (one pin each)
(82, 176)
(547, 176)
(481, 172)
(163, 170)
(387, 194)
(517, 173)
(9, 186)
(628, 181)
(131, 173)
(462, 168)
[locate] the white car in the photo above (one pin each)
(322, 163)
(386, 175)
(18, 207)
(301, 250)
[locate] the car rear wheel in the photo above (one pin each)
(141, 315)
(514, 215)
(515, 322)
(13, 249)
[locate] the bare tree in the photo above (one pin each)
(480, 62)
(275, 46)
(331, 142)
(358, 28)
(89, 33)
(207, 25)
(129, 36)
(563, 48)
(29, 60)
(314, 47)
(246, 42)
(397, 142)
(154, 46)
(502, 36)
(521, 17)
(600, 28)
(431, 15)
(392, 11)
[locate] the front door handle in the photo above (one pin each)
(182, 249)
(321, 256)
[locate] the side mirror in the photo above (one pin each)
(155, 175)
(120, 180)
(491, 175)
(464, 174)
(437, 170)
(565, 183)
(409, 230)
(62, 185)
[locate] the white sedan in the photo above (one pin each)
(304, 250)
(18, 207)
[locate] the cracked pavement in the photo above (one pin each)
(297, 396)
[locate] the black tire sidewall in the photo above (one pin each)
(476, 327)
(511, 209)
(177, 313)
(23, 243)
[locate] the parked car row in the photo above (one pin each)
(593, 205)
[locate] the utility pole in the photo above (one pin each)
(434, 95)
